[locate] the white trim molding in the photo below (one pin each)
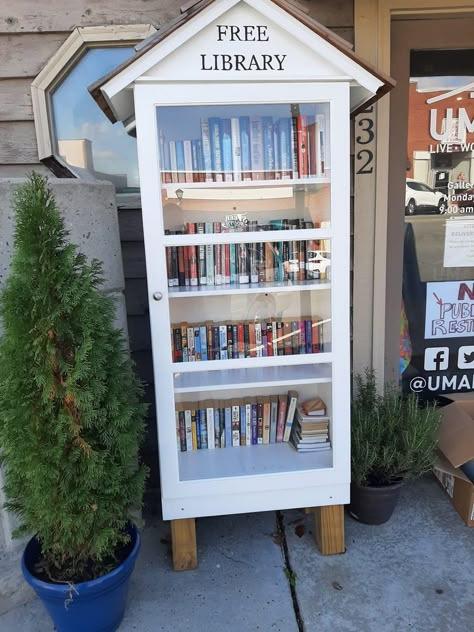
(80, 40)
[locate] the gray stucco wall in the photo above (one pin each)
(90, 213)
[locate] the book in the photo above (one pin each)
(282, 406)
(266, 419)
(256, 147)
(209, 406)
(301, 131)
(243, 423)
(235, 423)
(273, 417)
(215, 134)
(173, 161)
(245, 154)
(188, 427)
(188, 161)
(248, 421)
(228, 424)
(313, 407)
(236, 150)
(290, 413)
(259, 420)
(206, 149)
(180, 163)
(227, 159)
(268, 147)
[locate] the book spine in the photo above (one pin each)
(241, 340)
(236, 150)
(182, 431)
(254, 423)
(190, 339)
(248, 423)
(203, 342)
(259, 421)
(228, 425)
(202, 270)
(256, 147)
(184, 341)
(197, 343)
(268, 148)
(189, 429)
(206, 149)
(323, 162)
(294, 146)
(218, 272)
(188, 161)
(194, 428)
(177, 345)
(282, 405)
(270, 338)
(204, 426)
(215, 132)
(273, 417)
(167, 162)
(230, 341)
(243, 264)
(227, 162)
(211, 442)
(235, 425)
(302, 146)
(222, 425)
(227, 272)
(223, 342)
(216, 342)
(209, 256)
(209, 336)
(292, 399)
(235, 340)
(246, 160)
(277, 151)
(173, 162)
(198, 428)
(266, 419)
(180, 161)
(258, 339)
(233, 264)
(243, 422)
(217, 427)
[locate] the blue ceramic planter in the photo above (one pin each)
(97, 606)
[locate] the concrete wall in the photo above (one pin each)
(90, 214)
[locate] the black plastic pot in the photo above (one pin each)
(373, 505)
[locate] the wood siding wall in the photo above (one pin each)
(30, 33)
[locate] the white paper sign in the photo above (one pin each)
(449, 309)
(459, 243)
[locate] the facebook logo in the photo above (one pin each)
(436, 358)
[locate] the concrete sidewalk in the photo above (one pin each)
(414, 573)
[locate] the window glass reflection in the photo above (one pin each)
(85, 137)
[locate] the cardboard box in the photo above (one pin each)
(456, 444)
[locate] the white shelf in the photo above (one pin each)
(297, 234)
(274, 458)
(252, 378)
(246, 184)
(248, 288)
(248, 363)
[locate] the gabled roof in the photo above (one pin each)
(192, 9)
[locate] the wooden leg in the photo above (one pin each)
(329, 529)
(183, 541)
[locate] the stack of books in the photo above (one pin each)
(211, 424)
(310, 430)
(246, 339)
(247, 148)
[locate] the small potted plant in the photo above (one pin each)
(394, 438)
(71, 422)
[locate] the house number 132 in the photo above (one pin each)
(366, 136)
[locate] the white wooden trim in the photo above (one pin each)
(66, 56)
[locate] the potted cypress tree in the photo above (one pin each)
(71, 422)
(394, 438)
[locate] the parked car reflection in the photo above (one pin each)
(419, 197)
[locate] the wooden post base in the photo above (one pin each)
(329, 529)
(183, 542)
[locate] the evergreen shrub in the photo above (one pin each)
(71, 420)
(394, 436)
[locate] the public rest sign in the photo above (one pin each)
(449, 309)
